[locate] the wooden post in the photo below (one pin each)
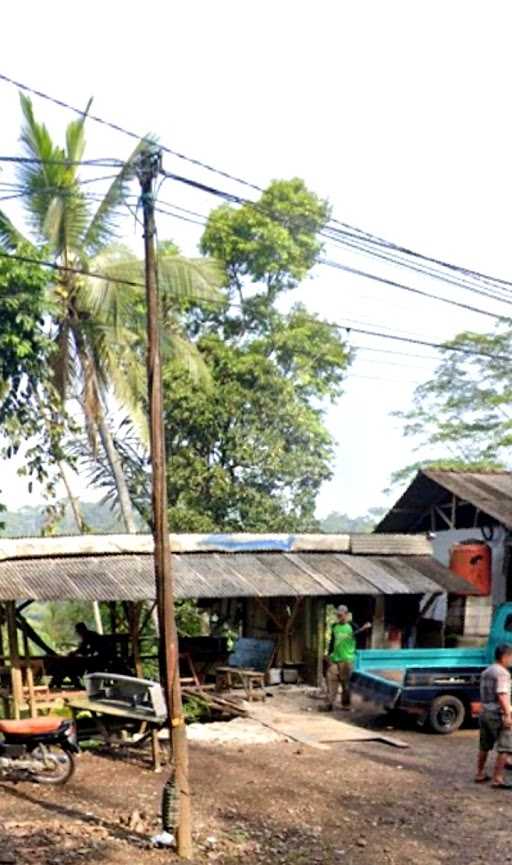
(378, 632)
(318, 645)
(97, 617)
(29, 676)
(14, 653)
(148, 169)
(113, 617)
(134, 611)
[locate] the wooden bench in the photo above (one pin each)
(248, 664)
(225, 677)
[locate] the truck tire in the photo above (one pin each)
(446, 714)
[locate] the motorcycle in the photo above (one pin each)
(40, 749)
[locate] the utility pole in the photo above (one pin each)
(147, 170)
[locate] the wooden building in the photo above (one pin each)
(276, 586)
(455, 506)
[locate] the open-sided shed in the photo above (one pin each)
(277, 583)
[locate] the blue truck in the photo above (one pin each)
(440, 687)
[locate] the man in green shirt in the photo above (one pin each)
(342, 654)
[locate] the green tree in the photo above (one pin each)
(339, 523)
(93, 327)
(463, 414)
(247, 444)
(251, 451)
(29, 405)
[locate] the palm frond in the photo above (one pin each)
(75, 136)
(10, 237)
(57, 209)
(178, 350)
(111, 300)
(192, 279)
(103, 226)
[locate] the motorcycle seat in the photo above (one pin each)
(30, 726)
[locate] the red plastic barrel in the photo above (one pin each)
(473, 561)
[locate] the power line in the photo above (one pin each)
(393, 284)
(29, 160)
(480, 288)
(125, 131)
(383, 378)
(441, 346)
(377, 240)
(399, 353)
(345, 228)
(336, 325)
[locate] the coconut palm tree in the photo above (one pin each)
(93, 321)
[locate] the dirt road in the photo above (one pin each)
(359, 804)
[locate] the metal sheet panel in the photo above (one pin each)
(416, 582)
(202, 575)
(292, 571)
(489, 492)
(341, 572)
(384, 582)
(254, 576)
(441, 576)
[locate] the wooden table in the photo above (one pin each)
(102, 711)
(249, 679)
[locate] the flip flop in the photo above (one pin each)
(482, 780)
(501, 786)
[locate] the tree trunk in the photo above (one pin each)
(114, 461)
(97, 417)
(75, 506)
(80, 524)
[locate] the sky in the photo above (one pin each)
(397, 112)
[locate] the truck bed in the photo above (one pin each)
(388, 660)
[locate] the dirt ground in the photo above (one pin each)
(363, 803)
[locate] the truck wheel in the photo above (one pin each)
(446, 714)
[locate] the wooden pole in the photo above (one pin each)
(148, 169)
(14, 652)
(97, 617)
(134, 611)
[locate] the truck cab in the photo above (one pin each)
(441, 686)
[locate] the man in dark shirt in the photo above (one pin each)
(95, 646)
(496, 717)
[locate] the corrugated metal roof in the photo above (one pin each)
(131, 577)
(99, 545)
(489, 492)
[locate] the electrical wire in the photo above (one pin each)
(348, 328)
(344, 227)
(124, 131)
(393, 284)
(29, 160)
(480, 288)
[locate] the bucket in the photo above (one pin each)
(290, 676)
(274, 676)
(472, 560)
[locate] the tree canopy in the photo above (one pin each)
(251, 450)
(246, 440)
(463, 414)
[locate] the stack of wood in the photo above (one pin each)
(213, 701)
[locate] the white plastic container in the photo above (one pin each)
(290, 675)
(274, 676)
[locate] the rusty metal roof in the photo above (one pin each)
(217, 575)
(489, 492)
